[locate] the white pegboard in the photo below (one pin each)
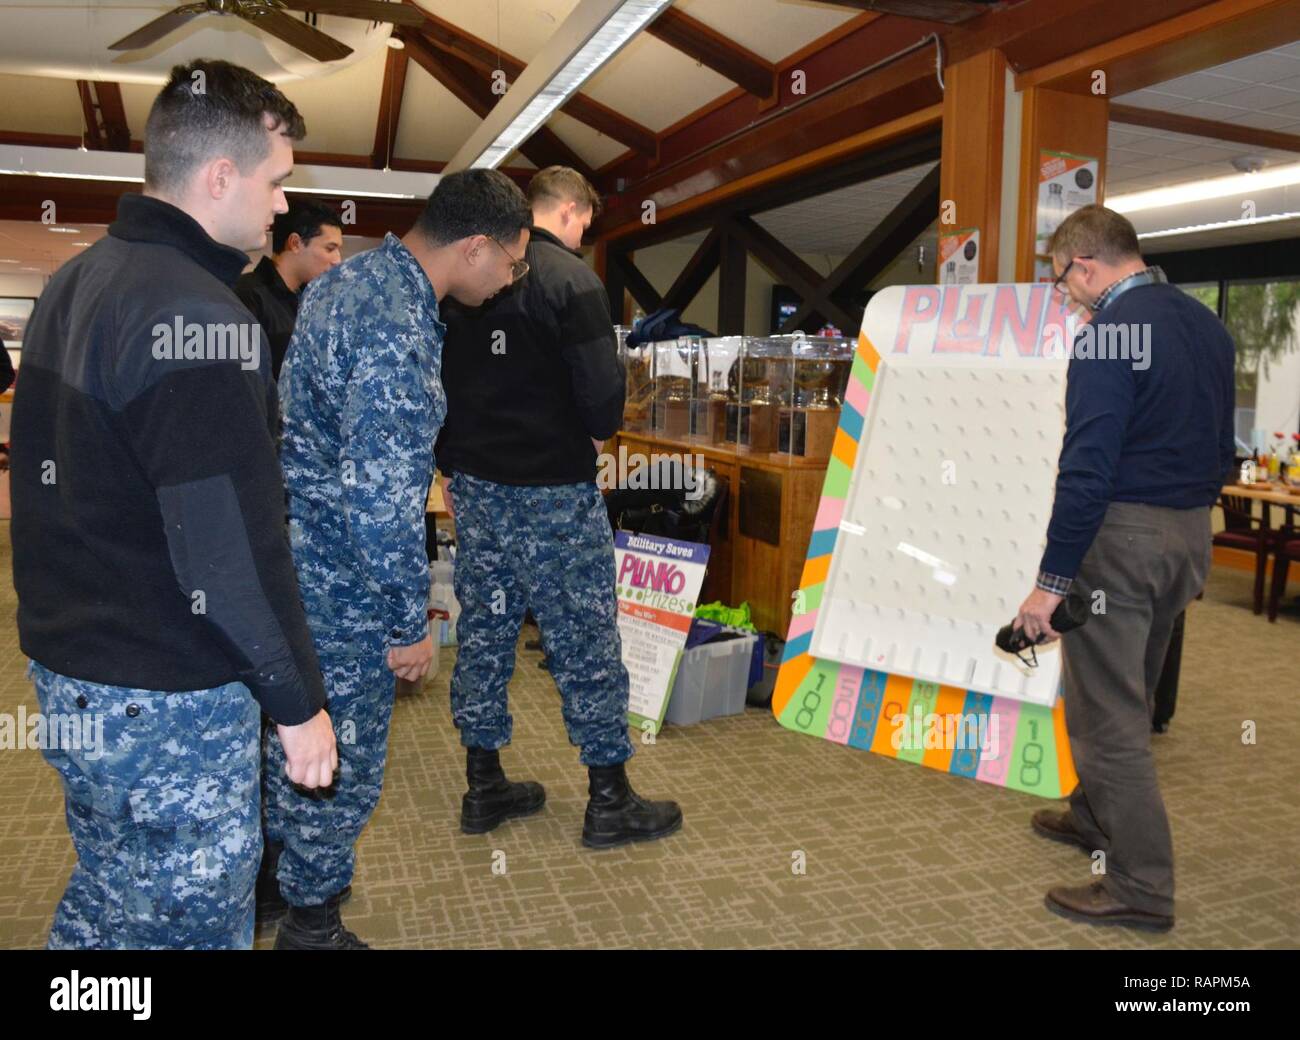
(945, 523)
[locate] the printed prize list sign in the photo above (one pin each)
(657, 582)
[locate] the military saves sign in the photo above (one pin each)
(657, 582)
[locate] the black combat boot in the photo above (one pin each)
(316, 928)
(617, 815)
(270, 903)
(491, 798)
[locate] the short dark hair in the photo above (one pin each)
(211, 108)
(563, 184)
(474, 202)
(305, 218)
(1095, 231)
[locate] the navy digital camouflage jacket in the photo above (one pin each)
(362, 404)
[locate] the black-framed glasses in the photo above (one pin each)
(1058, 285)
(518, 268)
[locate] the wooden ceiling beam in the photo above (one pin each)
(1153, 119)
(789, 268)
(79, 201)
(601, 118)
(638, 284)
(390, 109)
(947, 12)
(1209, 34)
(713, 50)
(471, 88)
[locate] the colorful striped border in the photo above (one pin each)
(1004, 742)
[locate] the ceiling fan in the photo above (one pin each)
(270, 15)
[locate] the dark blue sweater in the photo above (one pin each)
(1160, 434)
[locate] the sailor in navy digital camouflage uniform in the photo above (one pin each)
(534, 385)
(156, 590)
(362, 404)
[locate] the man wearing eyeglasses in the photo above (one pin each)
(362, 405)
(534, 385)
(1148, 443)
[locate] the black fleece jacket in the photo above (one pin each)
(149, 535)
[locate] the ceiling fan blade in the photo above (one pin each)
(154, 31)
(370, 10)
(297, 34)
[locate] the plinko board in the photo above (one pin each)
(961, 729)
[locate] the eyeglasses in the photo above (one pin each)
(1058, 285)
(518, 268)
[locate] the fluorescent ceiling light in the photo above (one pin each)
(1202, 191)
(1192, 229)
(592, 34)
(342, 181)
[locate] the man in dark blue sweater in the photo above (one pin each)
(1148, 445)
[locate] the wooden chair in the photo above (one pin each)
(1286, 548)
(1241, 530)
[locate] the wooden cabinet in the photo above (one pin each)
(761, 542)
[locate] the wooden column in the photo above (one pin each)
(1059, 121)
(615, 283)
(731, 287)
(970, 179)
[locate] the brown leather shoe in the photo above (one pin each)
(1092, 904)
(1058, 826)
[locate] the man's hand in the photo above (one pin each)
(309, 751)
(1035, 615)
(412, 662)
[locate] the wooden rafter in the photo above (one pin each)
(948, 12)
(915, 212)
(710, 48)
(473, 90)
(638, 284)
(104, 115)
(1180, 124)
(790, 268)
(390, 109)
(613, 124)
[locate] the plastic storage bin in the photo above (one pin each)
(711, 680)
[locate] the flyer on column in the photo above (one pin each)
(959, 257)
(657, 583)
(1065, 183)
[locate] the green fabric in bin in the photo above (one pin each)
(732, 617)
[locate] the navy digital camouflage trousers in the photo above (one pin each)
(319, 829)
(163, 813)
(548, 549)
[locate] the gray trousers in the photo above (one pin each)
(1149, 562)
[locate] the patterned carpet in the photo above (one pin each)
(897, 856)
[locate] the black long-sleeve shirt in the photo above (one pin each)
(1156, 429)
(150, 547)
(273, 304)
(533, 375)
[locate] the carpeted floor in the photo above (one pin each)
(897, 855)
